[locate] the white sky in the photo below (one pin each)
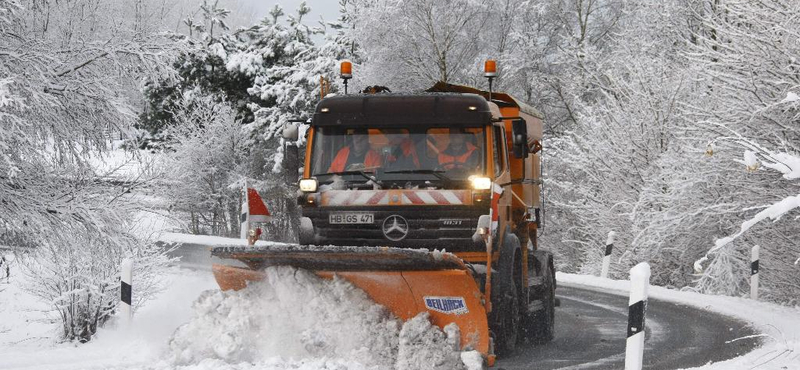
(328, 9)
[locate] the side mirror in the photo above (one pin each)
(519, 138)
(290, 132)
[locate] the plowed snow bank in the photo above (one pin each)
(295, 319)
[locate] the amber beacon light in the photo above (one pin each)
(490, 68)
(490, 72)
(346, 72)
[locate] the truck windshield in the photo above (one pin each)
(421, 154)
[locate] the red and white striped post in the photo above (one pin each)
(607, 257)
(253, 210)
(754, 272)
(637, 305)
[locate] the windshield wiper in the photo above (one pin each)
(357, 172)
(437, 173)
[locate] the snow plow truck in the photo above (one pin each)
(429, 202)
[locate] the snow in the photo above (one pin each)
(472, 360)
(750, 160)
(294, 319)
(785, 163)
(121, 164)
(773, 212)
(790, 98)
(291, 314)
(780, 325)
(28, 331)
(611, 237)
(209, 240)
(245, 62)
(291, 320)
(337, 183)
(423, 346)
(218, 50)
(6, 98)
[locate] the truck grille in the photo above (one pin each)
(449, 227)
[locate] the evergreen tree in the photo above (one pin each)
(199, 70)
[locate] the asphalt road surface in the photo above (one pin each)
(591, 330)
(591, 333)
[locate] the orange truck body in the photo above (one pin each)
(404, 290)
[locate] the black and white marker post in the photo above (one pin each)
(754, 272)
(637, 305)
(607, 257)
(126, 290)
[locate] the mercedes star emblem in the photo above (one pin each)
(395, 228)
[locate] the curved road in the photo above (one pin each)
(591, 330)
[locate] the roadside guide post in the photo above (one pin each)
(637, 305)
(754, 272)
(607, 257)
(126, 290)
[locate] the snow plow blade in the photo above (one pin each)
(405, 281)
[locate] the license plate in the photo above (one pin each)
(351, 218)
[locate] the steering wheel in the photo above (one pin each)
(355, 167)
(452, 165)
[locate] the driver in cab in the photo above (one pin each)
(402, 154)
(356, 156)
(459, 153)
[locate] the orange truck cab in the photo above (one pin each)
(430, 203)
(446, 169)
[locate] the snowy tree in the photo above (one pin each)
(57, 111)
(207, 165)
(269, 74)
(287, 68)
(430, 42)
(198, 70)
(746, 57)
(292, 85)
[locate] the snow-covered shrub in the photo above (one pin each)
(207, 164)
(78, 272)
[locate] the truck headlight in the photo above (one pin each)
(308, 185)
(480, 183)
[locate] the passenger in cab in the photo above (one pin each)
(403, 153)
(459, 153)
(356, 156)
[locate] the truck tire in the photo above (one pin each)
(539, 326)
(306, 234)
(507, 315)
(510, 319)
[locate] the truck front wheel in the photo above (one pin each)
(508, 319)
(539, 325)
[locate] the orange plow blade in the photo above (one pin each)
(405, 281)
